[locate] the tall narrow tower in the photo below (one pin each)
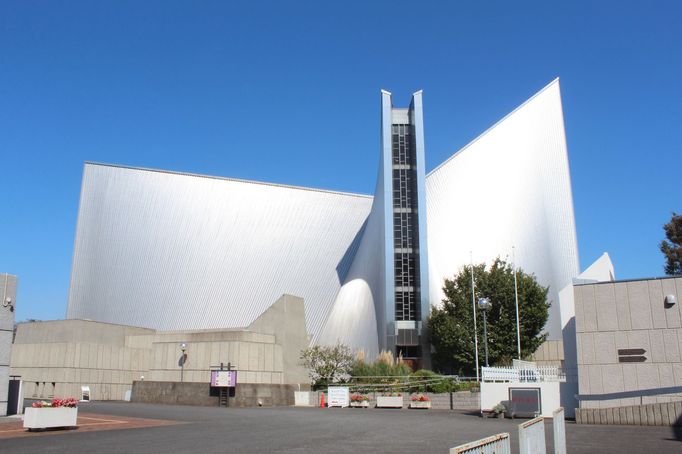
(406, 304)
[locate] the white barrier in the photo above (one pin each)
(532, 437)
(306, 398)
(559, 429)
(497, 444)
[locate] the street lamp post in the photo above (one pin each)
(473, 305)
(183, 347)
(516, 299)
(484, 304)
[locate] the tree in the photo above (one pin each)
(451, 327)
(672, 247)
(326, 364)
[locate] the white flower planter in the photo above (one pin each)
(45, 418)
(362, 404)
(390, 401)
(420, 404)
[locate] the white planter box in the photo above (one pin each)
(420, 404)
(390, 401)
(44, 418)
(363, 404)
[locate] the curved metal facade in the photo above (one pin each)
(509, 187)
(175, 251)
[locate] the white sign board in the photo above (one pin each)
(338, 396)
(85, 394)
(224, 378)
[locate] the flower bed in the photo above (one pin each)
(392, 400)
(420, 401)
(358, 400)
(57, 413)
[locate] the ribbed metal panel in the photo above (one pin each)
(509, 187)
(364, 307)
(175, 251)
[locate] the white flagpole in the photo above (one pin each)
(516, 295)
(473, 303)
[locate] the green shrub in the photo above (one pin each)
(431, 382)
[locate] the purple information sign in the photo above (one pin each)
(224, 378)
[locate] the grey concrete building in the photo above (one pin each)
(8, 290)
(57, 358)
(629, 342)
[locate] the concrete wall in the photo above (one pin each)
(56, 358)
(285, 320)
(628, 315)
(245, 395)
(8, 289)
(256, 356)
(659, 414)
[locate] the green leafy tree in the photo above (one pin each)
(672, 247)
(451, 327)
(327, 364)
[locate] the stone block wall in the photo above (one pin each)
(550, 353)
(8, 289)
(613, 317)
(659, 414)
(460, 400)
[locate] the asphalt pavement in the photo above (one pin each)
(314, 430)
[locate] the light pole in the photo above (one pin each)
(516, 299)
(183, 358)
(484, 304)
(473, 305)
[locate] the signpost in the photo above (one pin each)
(224, 378)
(226, 381)
(338, 396)
(631, 355)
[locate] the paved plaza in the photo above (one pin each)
(145, 428)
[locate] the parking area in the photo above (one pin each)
(87, 422)
(120, 427)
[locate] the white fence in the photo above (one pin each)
(523, 374)
(532, 437)
(559, 428)
(497, 444)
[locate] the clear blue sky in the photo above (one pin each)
(288, 92)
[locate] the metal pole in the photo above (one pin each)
(473, 304)
(485, 337)
(516, 296)
(182, 366)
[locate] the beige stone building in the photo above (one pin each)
(57, 358)
(629, 342)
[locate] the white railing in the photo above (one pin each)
(523, 374)
(497, 444)
(520, 364)
(532, 437)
